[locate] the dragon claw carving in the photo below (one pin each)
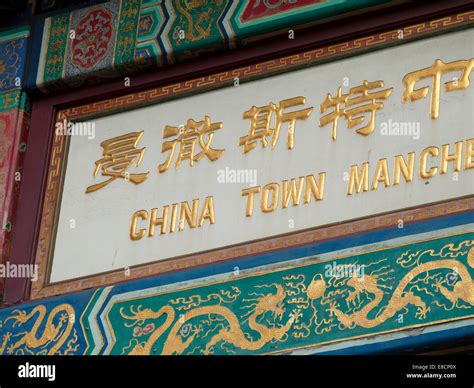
(353, 295)
(438, 284)
(421, 312)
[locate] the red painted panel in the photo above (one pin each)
(262, 8)
(13, 132)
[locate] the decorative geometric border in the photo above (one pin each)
(148, 50)
(40, 289)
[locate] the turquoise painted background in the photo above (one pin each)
(283, 306)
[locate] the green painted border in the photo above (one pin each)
(20, 32)
(390, 267)
(14, 99)
(127, 32)
(55, 56)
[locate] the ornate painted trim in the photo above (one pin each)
(41, 289)
(407, 282)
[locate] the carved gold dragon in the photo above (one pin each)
(55, 334)
(232, 333)
(463, 289)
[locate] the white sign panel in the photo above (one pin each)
(251, 178)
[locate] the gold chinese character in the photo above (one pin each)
(119, 154)
(435, 72)
(260, 123)
(353, 105)
(193, 132)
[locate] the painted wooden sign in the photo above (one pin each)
(330, 143)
